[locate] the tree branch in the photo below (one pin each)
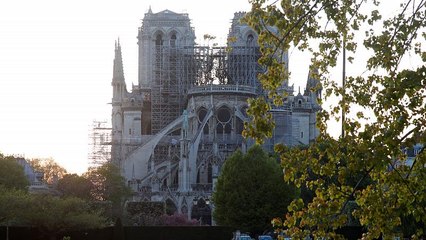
(280, 41)
(355, 188)
(414, 162)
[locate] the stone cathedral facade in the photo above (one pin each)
(173, 131)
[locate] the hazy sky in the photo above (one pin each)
(56, 60)
(56, 67)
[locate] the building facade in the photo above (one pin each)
(35, 178)
(173, 131)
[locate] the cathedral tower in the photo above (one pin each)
(163, 40)
(158, 32)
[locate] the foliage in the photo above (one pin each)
(12, 174)
(250, 191)
(12, 203)
(384, 112)
(76, 186)
(54, 215)
(50, 214)
(52, 171)
(144, 213)
(177, 219)
(102, 184)
(109, 185)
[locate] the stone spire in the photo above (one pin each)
(118, 73)
(313, 83)
(118, 83)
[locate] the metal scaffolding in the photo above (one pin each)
(204, 65)
(243, 67)
(166, 99)
(176, 69)
(99, 143)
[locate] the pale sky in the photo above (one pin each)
(56, 60)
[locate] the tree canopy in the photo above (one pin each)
(52, 171)
(12, 203)
(50, 214)
(85, 201)
(250, 191)
(12, 174)
(75, 186)
(109, 185)
(53, 215)
(381, 107)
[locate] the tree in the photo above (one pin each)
(75, 186)
(144, 213)
(250, 191)
(109, 185)
(382, 111)
(53, 215)
(12, 174)
(12, 202)
(52, 171)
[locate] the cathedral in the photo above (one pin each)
(173, 131)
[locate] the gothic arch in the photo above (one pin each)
(201, 211)
(173, 34)
(184, 209)
(175, 178)
(174, 31)
(250, 37)
(205, 168)
(250, 32)
(224, 116)
(158, 35)
(158, 31)
(205, 173)
(201, 115)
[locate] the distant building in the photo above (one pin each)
(411, 153)
(172, 132)
(35, 178)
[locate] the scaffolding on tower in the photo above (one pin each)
(177, 69)
(99, 143)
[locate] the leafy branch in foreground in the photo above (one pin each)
(384, 105)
